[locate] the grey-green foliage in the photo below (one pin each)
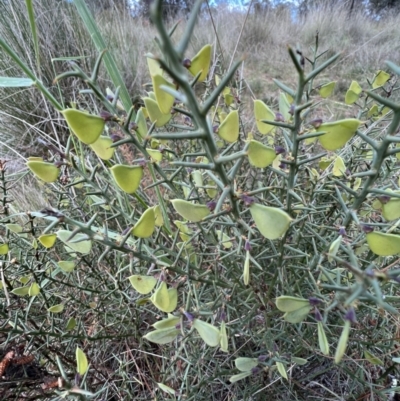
(213, 238)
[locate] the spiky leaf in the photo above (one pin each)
(272, 222)
(383, 244)
(165, 101)
(190, 211)
(260, 155)
(102, 148)
(337, 133)
(143, 284)
(263, 112)
(144, 228)
(201, 63)
(229, 128)
(155, 114)
(86, 127)
(327, 89)
(47, 172)
(127, 177)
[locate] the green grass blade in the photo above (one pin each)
(109, 61)
(30, 74)
(32, 23)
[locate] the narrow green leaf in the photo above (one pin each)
(171, 321)
(101, 45)
(163, 336)
(342, 344)
(223, 342)
(32, 23)
(166, 389)
(56, 308)
(34, 289)
(299, 361)
(160, 298)
(281, 369)
(165, 101)
(81, 362)
(372, 359)
(246, 269)
(263, 112)
(322, 340)
(284, 106)
(15, 228)
(21, 291)
(333, 249)
(201, 63)
(240, 376)
(14, 82)
(141, 124)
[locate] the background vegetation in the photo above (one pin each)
(111, 324)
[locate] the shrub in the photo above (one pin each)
(184, 248)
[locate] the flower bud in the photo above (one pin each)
(106, 116)
(314, 301)
(187, 63)
(247, 245)
(248, 200)
(317, 315)
(384, 199)
(188, 316)
(351, 315)
(211, 205)
(316, 123)
(279, 150)
(262, 358)
(133, 126)
(367, 228)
